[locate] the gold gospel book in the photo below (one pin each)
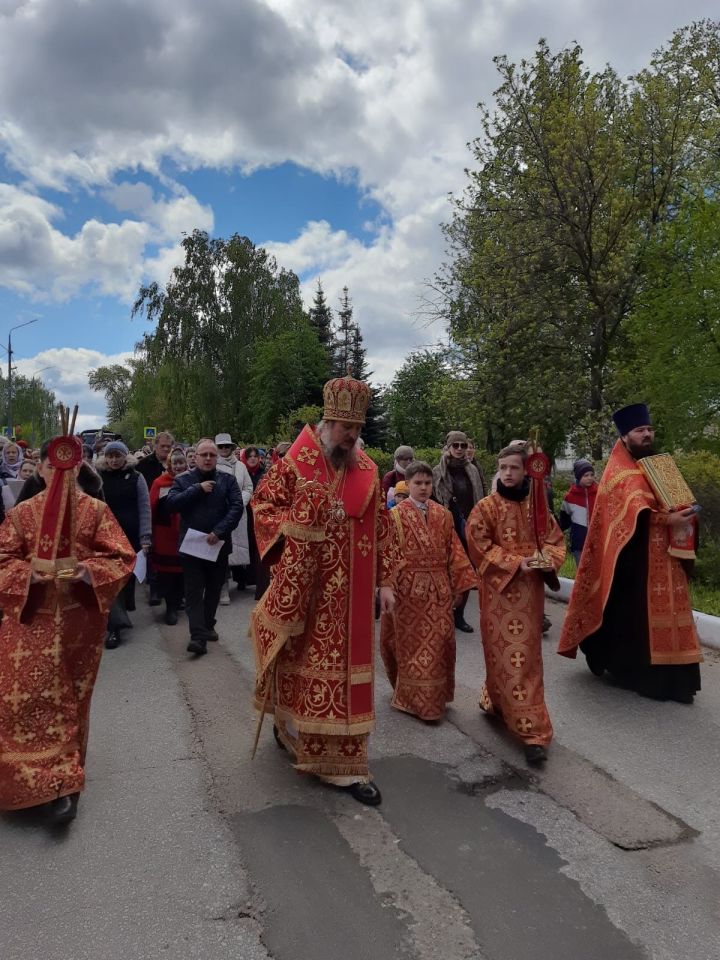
(666, 480)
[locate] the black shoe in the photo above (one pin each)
(171, 617)
(463, 626)
(197, 646)
(212, 636)
(366, 793)
(535, 754)
(112, 641)
(547, 623)
(154, 600)
(64, 809)
(278, 741)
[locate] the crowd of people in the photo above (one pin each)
(329, 546)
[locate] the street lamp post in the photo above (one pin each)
(10, 353)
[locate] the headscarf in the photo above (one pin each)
(10, 471)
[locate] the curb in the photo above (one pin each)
(708, 627)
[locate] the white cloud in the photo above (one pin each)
(91, 92)
(318, 247)
(38, 259)
(384, 280)
(65, 370)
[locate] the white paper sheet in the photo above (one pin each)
(164, 491)
(195, 545)
(140, 567)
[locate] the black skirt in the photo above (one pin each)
(622, 644)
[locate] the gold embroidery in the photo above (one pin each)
(364, 545)
(308, 455)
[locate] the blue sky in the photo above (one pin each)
(331, 133)
(269, 204)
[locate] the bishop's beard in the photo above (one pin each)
(337, 456)
(341, 458)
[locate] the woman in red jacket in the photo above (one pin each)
(165, 538)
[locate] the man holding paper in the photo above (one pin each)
(210, 507)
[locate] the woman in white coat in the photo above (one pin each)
(228, 463)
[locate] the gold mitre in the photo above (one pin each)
(346, 399)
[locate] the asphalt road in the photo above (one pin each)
(186, 848)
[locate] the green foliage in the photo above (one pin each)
(702, 472)
(674, 331)
(286, 371)
(321, 320)
(345, 346)
(575, 174)
(383, 460)
(227, 298)
(292, 423)
(429, 455)
(417, 412)
(116, 382)
(34, 408)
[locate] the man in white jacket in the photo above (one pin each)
(228, 463)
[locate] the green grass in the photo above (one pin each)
(706, 599)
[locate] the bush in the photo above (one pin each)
(702, 472)
(384, 461)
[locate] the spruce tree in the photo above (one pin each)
(344, 337)
(321, 319)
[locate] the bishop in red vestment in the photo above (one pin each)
(321, 524)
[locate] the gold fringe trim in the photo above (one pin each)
(337, 728)
(306, 534)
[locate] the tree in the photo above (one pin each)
(287, 371)
(344, 337)
(34, 408)
(217, 308)
(574, 174)
(321, 320)
(415, 400)
(116, 382)
(674, 330)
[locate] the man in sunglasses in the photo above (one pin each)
(458, 485)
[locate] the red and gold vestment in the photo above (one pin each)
(51, 640)
(623, 494)
(499, 534)
(417, 641)
(327, 535)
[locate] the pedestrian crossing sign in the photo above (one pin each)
(150, 433)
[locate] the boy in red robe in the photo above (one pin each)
(502, 544)
(417, 640)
